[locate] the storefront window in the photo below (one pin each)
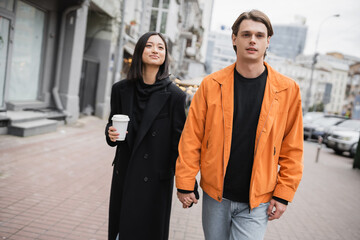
(4, 39)
(7, 4)
(27, 53)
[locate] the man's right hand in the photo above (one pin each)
(187, 199)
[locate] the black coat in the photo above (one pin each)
(144, 165)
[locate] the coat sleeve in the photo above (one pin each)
(188, 162)
(179, 118)
(114, 99)
(291, 153)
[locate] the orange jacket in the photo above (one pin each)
(206, 139)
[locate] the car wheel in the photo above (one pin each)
(339, 152)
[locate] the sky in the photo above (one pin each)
(340, 34)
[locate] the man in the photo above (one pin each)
(244, 133)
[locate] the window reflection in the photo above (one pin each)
(27, 53)
(155, 3)
(163, 22)
(153, 20)
(165, 4)
(159, 15)
(7, 4)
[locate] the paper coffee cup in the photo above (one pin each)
(120, 123)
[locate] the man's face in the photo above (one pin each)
(251, 41)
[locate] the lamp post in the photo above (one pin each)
(314, 61)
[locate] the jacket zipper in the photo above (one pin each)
(222, 108)
(257, 142)
(267, 117)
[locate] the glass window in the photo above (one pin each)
(155, 3)
(165, 4)
(7, 4)
(159, 15)
(27, 53)
(4, 39)
(163, 22)
(153, 21)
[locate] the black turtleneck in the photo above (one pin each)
(143, 92)
(248, 96)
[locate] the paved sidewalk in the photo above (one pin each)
(56, 186)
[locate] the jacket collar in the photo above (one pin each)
(275, 79)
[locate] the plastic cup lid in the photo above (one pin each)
(120, 117)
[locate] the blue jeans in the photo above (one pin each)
(232, 220)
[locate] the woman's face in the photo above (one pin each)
(154, 51)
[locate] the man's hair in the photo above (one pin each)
(135, 71)
(256, 16)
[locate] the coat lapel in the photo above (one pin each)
(127, 101)
(155, 104)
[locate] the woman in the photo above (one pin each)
(142, 183)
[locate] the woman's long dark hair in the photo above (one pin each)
(135, 71)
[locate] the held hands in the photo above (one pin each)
(275, 209)
(187, 199)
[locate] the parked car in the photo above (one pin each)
(349, 124)
(315, 129)
(311, 116)
(344, 141)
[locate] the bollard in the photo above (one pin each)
(320, 140)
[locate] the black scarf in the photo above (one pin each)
(143, 92)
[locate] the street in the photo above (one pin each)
(56, 186)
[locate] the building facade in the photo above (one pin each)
(181, 22)
(220, 52)
(58, 57)
(289, 40)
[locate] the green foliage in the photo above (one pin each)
(318, 107)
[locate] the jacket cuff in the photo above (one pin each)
(280, 200)
(195, 191)
(284, 192)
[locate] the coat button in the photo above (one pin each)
(153, 133)
(146, 156)
(146, 179)
(219, 198)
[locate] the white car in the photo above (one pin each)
(347, 125)
(344, 141)
(316, 129)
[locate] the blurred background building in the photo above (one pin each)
(289, 40)
(59, 58)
